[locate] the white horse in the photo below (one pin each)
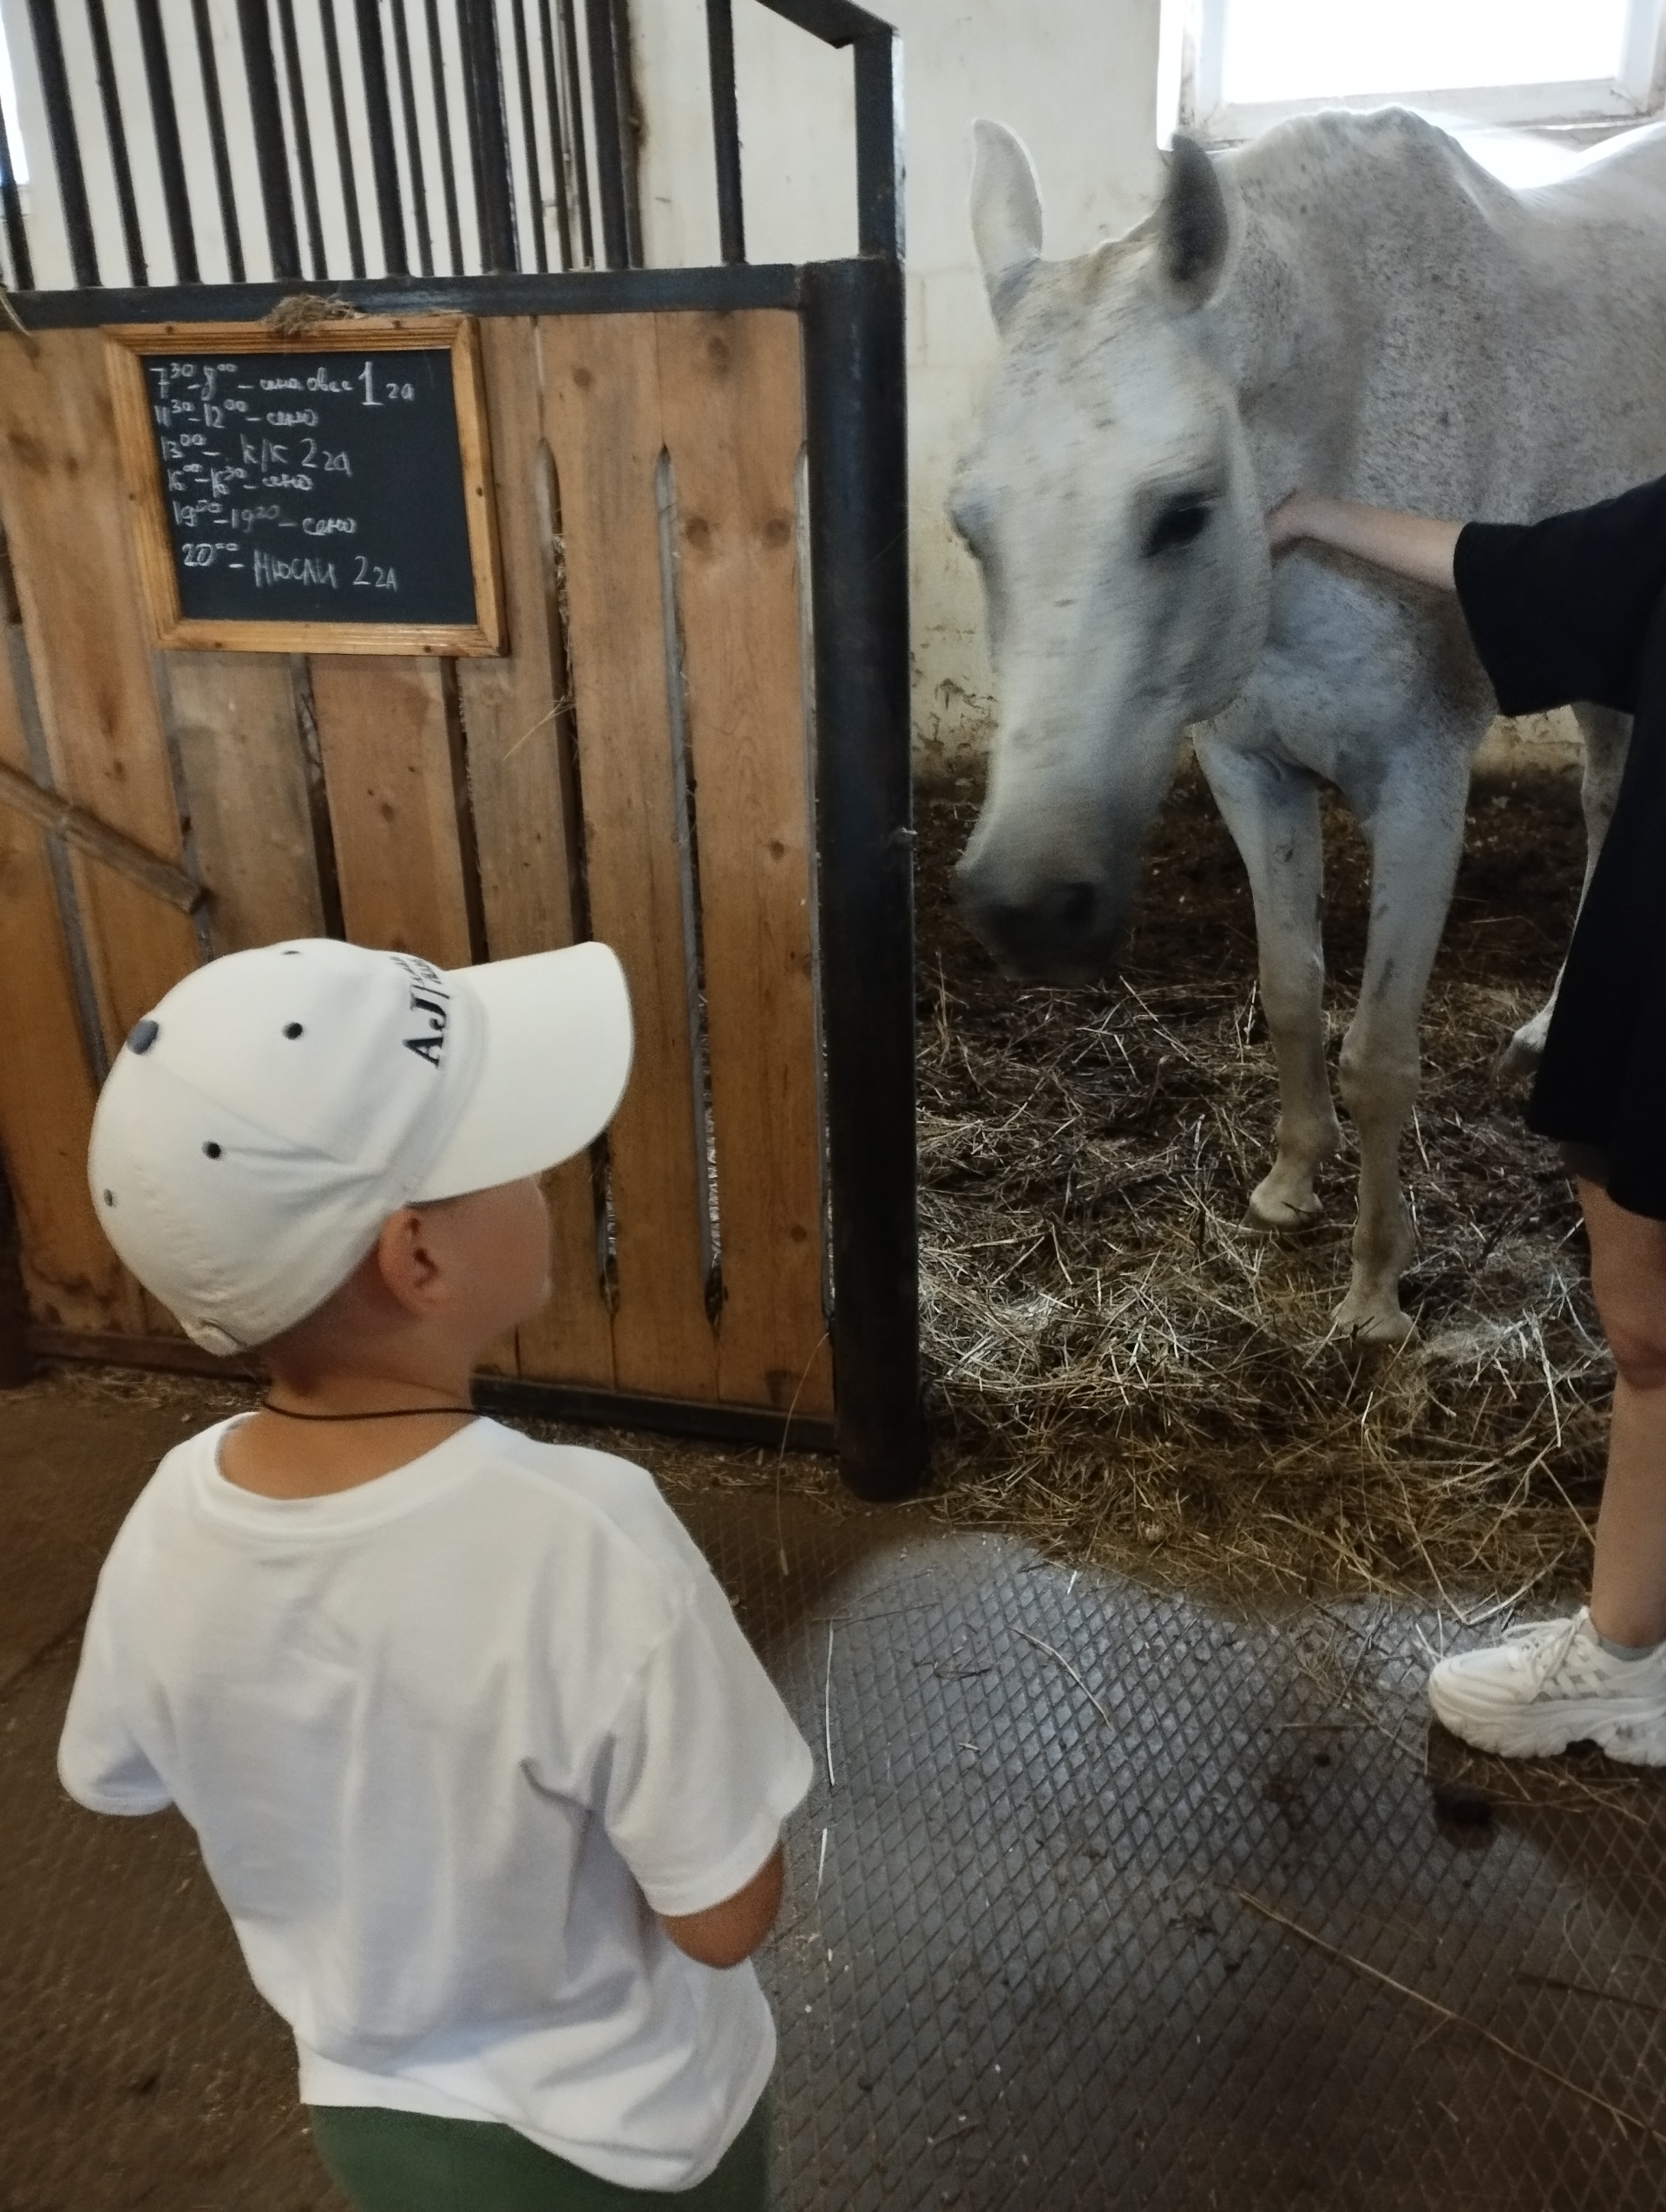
(1351, 303)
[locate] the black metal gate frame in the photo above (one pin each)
(852, 313)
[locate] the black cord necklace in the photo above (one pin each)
(389, 1413)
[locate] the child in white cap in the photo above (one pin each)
(481, 1765)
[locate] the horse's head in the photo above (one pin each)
(1111, 505)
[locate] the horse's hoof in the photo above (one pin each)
(1358, 1322)
(1518, 1062)
(1277, 1217)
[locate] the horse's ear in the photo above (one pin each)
(1006, 215)
(1192, 223)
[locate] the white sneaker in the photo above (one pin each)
(1549, 1684)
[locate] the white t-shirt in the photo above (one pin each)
(440, 1736)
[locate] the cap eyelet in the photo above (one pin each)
(292, 1029)
(212, 1149)
(143, 1035)
(109, 1198)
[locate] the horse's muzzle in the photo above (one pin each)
(1063, 932)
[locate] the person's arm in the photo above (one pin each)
(724, 1935)
(1410, 544)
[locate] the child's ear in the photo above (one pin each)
(403, 1261)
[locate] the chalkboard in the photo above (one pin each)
(326, 492)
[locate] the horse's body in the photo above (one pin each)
(1350, 305)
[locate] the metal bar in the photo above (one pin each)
(879, 144)
(170, 155)
(23, 272)
(66, 147)
(570, 21)
(726, 128)
(442, 127)
(712, 291)
(835, 22)
(270, 148)
(557, 136)
(302, 130)
(488, 136)
(413, 140)
(610, 142)
(208, 66)
(856, 432)
(529, 131)
(378, 116)
(115, 131)
(338, 124)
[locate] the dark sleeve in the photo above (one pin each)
(1558, 610)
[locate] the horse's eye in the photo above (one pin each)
(1179, 522)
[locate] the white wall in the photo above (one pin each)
(1077, 79)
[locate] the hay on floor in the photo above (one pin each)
(1124, 1371)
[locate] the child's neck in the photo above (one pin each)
(277, 1455)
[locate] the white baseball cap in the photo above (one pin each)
(263, 1121)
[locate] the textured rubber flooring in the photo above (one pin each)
(1017, 1966)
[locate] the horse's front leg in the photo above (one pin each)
(1607, 734)
(1416, 829)
(1272, 811)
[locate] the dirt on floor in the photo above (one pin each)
(1118, 1365)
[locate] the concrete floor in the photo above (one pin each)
(1030, 1955)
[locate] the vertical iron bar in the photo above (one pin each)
(413, 140)
(224, 190)
(303, 135)
(339, 126)
(66, 147)
(170, 155)
(610, 143)
(115, 131)
(442, 127)
(271, 150)
(534, 185)
(553, 110)
(494, 185)
(726, 128)
(568, 13)
(378, 114)
(879, 143)
(857, 427)
(23, 272)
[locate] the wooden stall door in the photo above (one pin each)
(635, 766)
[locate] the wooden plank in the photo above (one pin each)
(243, 769)
(62, 507)
(602, 416)
(733, 388)
(77, 827)
(72, 1277)
(513, 713)
(391, 776)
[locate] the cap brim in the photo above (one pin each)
(556, 1059)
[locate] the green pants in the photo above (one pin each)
(411, 2161)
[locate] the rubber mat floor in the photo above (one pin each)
(1101, 1898)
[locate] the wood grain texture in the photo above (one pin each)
(603, 420)
(733, 388)
(514, 712)
(72, 1277)
(391, 778)
(63, 507)
(243, 769)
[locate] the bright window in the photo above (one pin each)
(1233, 67)
(9, 109)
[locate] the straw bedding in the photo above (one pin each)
(1123, 1371)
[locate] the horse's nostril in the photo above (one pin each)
(1076, 905)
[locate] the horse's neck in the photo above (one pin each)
(1338, 242)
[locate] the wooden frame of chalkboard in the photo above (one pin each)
(202, 503)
